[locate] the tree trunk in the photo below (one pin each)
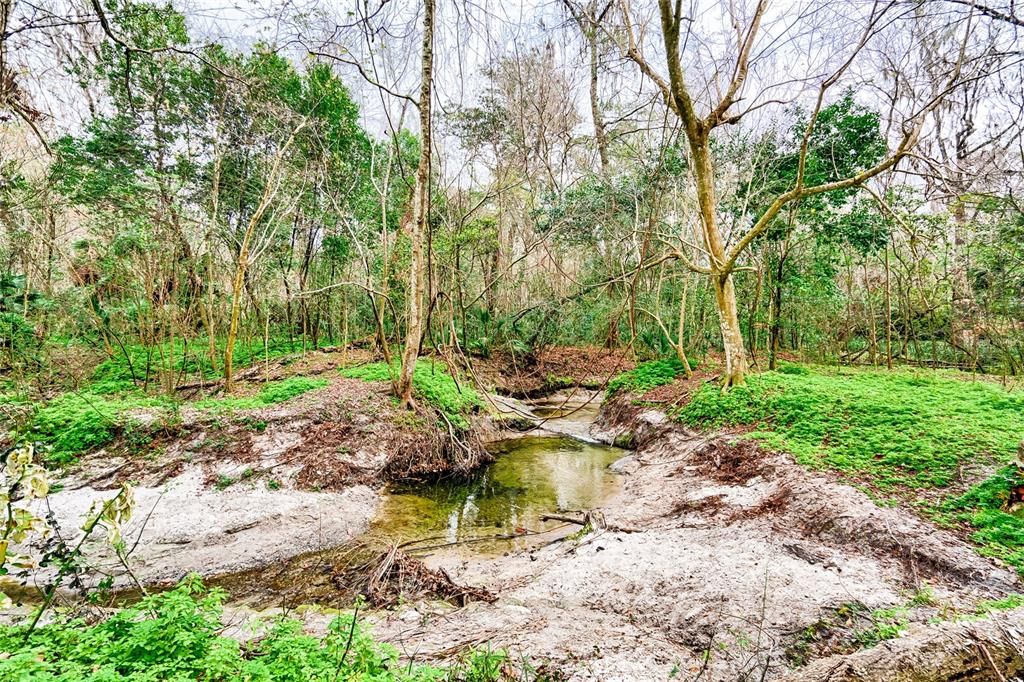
(735, 370)
(775, 341)
(418, 226)
(600, 137)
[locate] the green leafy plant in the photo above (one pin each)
(75, 423)
(645, 376)
(432, 383)
(175, 636)
(885, 624)
(271, 394)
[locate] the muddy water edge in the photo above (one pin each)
(498, 509)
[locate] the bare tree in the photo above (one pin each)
(418, 225)
(722, 257)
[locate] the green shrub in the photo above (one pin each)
(175, 636)
(17, 336)
(432, 383)
(645, 376)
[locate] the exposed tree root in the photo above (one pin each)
(977, 651)
(391, 575)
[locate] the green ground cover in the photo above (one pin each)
(272, 393)
(912, 436)
(175, 636)
(645, 376)
(431, 382)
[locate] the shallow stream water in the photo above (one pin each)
(497, 509)
(530, 476)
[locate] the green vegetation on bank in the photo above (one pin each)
(272, 393)
(136, 365)
(175, 636)
(431, 382)
(74, 423)
(887, 429)
(646, 375)
(896, 433)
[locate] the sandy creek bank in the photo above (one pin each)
(717, 560)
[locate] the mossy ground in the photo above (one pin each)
(922, 438)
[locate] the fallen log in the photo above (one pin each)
(988, 650)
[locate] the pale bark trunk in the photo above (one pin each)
(735, 355)
(419, 226)
(595, 103)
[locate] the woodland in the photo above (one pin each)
(271, 270)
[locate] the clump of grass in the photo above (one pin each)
(271, 394)
(885, 624)
(75, 423)
(1012, 601)
(432, 383)
(645, 376)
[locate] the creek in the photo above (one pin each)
(556, 468)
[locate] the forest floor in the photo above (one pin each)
(732, 549)
(719, 560)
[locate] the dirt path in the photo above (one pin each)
(722, 562)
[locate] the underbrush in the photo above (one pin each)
(272, 393)
(74, 423)
(432, 383)
(645, 376)
(176, 636)
(135, 365)
(911, 435)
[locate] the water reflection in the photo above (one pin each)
(530, 476)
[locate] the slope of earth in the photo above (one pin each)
(284, 466)
(717, 561)
(548, 370)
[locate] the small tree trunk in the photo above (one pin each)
(888, 312)
(418, 226)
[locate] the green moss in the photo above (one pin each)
(432, 383)
(893, 433)
(271, 394)
(645, 376)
